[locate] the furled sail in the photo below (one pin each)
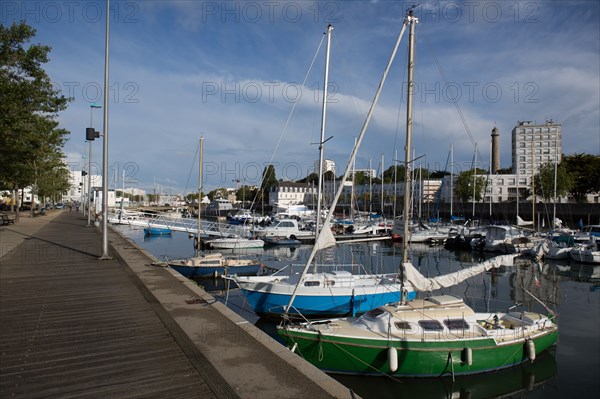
(421, 283)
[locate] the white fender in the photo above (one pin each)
(393, 359)
(467, 356)
(530, 349)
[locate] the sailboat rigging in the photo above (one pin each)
(319, 294)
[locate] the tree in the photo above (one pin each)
(463, 189)
(329, 176)
(269, 180)
(504, 171)
(388, 174)
(30, 139)
(53, 181)
(585, 171)
(438, 174)
(217, 193)
(246, 193)
(311, 178)
(544, 181)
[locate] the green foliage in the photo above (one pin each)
(463, 189)
(544, 181)
(438, 174)
(329, 176)
(585, 172)
(30, 140)
(269, 180)
(217, 193)
(246, 193)
(53, 181)
(388, 174)
(504, 171)
(311, 178)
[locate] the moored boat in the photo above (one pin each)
(235, 242)
(275, 240)
(423, 338)
(588, 252)
(157, 231)
(214, 265)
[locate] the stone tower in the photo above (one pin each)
(495, 150)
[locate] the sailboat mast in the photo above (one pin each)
(325, 239)
(199, 188)
(412, 21)
(323, 120)
(555, 170)
(474, 178)
(451, 177)
(382, 199)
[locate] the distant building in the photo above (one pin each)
(78, 186)
(367, 172)
(328, 166)
(534, 145)
(287, 193)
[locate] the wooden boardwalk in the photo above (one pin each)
(74, 326)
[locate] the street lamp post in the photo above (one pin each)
(89, 186)
(105, 254)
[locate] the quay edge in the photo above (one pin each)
(252, 362)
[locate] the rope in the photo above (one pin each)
(289, 117)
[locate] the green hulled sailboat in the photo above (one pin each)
(425, 337)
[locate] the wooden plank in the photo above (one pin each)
(72, 326)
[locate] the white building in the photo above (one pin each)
(287, 193)
(534, 145)
(328, 166)
(78, 186)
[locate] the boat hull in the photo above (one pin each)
(216, 271)
(347, 355)
(326, 304)
(235, 244)
(156, 231)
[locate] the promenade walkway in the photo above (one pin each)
(72, 325)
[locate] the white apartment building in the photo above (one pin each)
(534, 145)
(328, 166)
(78, 186)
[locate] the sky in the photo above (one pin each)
(248, 77)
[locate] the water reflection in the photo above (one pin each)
(569, 289)
(502, 383)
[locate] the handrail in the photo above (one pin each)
(188, 225)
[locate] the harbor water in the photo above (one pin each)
(571, 290)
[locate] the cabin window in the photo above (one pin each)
(456, 324)
(311, 283)
(373, 313)
(431, 325)
(403, 325)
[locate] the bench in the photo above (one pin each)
(6, 220)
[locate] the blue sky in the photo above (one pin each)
(231, 71)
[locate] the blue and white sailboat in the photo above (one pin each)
(334, 293)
